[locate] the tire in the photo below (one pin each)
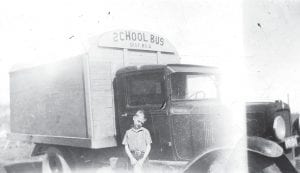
(57, 160)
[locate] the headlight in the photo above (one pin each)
(279, 128)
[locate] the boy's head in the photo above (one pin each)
(139, 119)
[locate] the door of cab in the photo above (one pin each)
(194, 133)
(147, 91)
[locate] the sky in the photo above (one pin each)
(271, 41)
(38, 32)
(254, 42)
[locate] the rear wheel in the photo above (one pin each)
(57, 160)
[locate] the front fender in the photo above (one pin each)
(259, 155)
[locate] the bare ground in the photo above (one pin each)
(10, 151)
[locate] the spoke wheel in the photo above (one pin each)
(55, 162)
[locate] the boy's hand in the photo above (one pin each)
(133, 161)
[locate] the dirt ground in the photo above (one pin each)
(10, 151)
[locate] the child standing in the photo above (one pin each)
(137, 141)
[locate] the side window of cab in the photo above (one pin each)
(145, 89)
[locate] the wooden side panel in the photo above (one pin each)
(138, 57)
(49, 100)
(101, 75)
(168, 58)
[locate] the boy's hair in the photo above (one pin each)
(140, 112)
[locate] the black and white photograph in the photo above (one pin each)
(141, 86)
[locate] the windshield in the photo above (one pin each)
(186, 86)
(145, 89)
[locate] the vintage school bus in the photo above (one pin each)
(77, 110)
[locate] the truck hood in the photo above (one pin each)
(261, 115)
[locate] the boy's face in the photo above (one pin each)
(138, 121)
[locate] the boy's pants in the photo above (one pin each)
(137, 154)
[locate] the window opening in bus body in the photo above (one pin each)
(145, 90)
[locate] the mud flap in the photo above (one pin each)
(34, 165)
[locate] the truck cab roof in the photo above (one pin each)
(172, 68)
